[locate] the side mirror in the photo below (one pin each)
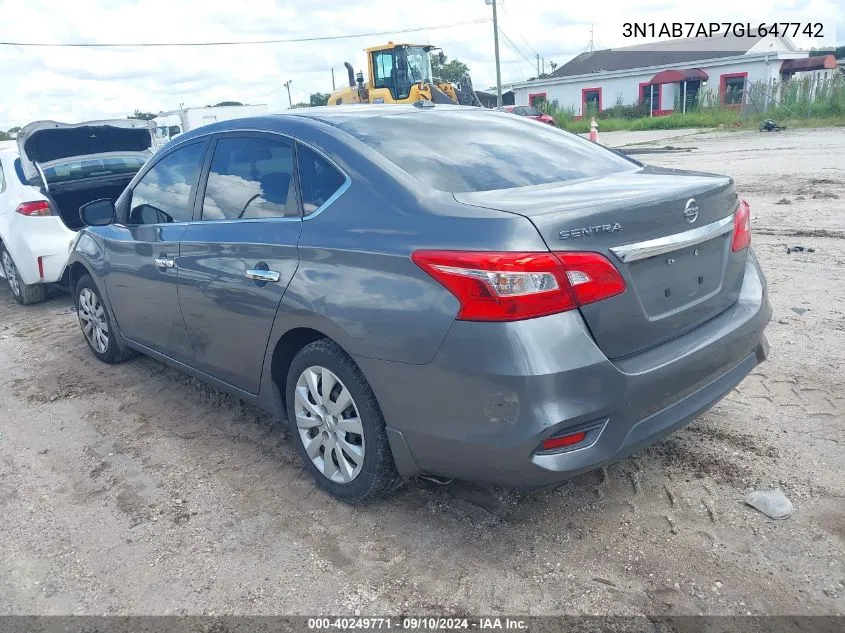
(97, 213)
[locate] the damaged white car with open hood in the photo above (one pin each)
(56, 169)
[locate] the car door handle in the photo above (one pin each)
(164, 262)
(257, 274)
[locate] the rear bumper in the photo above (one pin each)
(44, 237)
(481, 409)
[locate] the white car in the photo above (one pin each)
(57, 168)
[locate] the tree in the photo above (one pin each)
(144, 116)
(228, 103)
(318, 99)
(12, 130)
(451, 71)
(838, 52)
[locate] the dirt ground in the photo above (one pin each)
(137, 490)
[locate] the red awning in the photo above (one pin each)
(806, 64)
(674, 76)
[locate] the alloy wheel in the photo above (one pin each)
(92, 318)
(11, 273)
(329, 424)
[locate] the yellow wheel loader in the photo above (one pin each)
(401, 73)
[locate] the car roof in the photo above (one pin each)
(336, 115)
(301, 121)
(341, 114)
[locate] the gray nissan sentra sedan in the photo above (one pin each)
(435, 290)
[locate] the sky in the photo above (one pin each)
(78, 84)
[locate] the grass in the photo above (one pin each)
(715, 118)
(796, 103)
(703, 118)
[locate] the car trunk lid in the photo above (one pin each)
(50, 142)
(667, 231)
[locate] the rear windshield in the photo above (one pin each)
(91, 168)
(470, 151)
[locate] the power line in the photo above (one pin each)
(235, 43)
(518, 32)
(517, 49)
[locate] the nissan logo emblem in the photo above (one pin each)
(691, 211)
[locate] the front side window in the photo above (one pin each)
(163, 195)
(383, 62)
(532, 112)
(318, 178)
(250, 177)
(2, 178)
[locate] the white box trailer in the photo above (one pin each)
(176, 122)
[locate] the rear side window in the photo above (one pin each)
(19, 171)
(461, 151)
(164, 193)
(318, 178)
(250, 177)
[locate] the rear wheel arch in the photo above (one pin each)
(77, 271)
(287, 347)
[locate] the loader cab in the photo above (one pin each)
(398, 68)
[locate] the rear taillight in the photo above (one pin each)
(505, 286)
(742, 227)
(37, 207)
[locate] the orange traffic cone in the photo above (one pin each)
(594, 130)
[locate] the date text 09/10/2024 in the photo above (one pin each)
(813, 30)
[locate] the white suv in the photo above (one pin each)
(56, 169)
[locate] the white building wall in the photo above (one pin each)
(625, 85)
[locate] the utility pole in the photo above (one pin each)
(538, 64)
(333, 87)
(287, 85)
(496, 44)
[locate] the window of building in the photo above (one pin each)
(536, 100)
(650, 96)
(733, 88)
(591, 101)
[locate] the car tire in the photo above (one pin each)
(324, 433)
(96, 324)
(25, 294)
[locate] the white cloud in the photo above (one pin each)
(72, 84)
